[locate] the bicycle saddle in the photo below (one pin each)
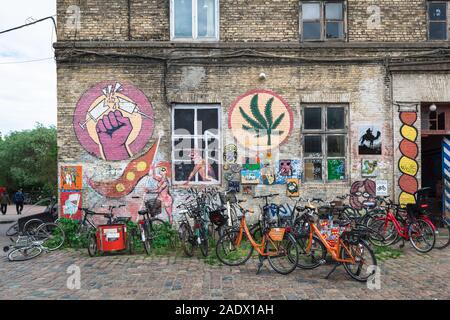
(142, 212)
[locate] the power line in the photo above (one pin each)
(26, 61)
(31, 23)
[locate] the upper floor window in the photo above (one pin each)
(194, 20)
(322, 20)
(437, 20)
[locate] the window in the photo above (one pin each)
(195, 144)
(194, 20)
(324, 142)
(437, 20)
(322, 20)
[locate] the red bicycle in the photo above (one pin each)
(411, 224)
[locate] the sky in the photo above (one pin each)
(27, 90)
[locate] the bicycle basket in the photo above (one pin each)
(277, 234)
(228, 197)
(153, 206)
(217, 218)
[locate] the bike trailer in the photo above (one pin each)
(111, 237)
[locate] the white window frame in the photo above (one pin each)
(323, 21)
(324, 132)
(429, 22)
(194, 24)
(196, 137)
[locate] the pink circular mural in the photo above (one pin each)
(113, 120)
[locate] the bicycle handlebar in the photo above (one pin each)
(266, 196)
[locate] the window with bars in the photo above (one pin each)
(194, 20)
(322, 20)
(196, 144)
(324, 142)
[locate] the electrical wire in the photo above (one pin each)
(26, 61)
(31, 23)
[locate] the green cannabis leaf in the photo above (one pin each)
(262, 125)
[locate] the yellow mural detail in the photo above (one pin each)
(120, 187)
(131, 176)
(141, 166)
(408, 132)
(406, 198)
(408, 166)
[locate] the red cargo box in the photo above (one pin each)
(111, 237)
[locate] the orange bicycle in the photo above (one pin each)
(348, 248)
(277, 245)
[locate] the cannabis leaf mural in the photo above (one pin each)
(262, 125)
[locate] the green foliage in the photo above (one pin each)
(73, 239)
(262, 124)
(29, 160)
(386, 253)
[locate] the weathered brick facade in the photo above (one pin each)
(128, 42)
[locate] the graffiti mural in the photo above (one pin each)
(362, 193)
(292, 187)
(288, 169)
(161, 176)
(370, 139)
(113, 121)
(407, 164)
(260, 120)
(71, 178)
(70, 204)
(250, 176)
(369, 168)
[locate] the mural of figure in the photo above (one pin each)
(163, 186)
(204, 169)
(362, 193)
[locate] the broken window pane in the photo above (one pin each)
(313, 118)
(335, 118)
(313, 146)
(313, 170)
(336, 146)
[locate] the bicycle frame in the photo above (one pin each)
(402, 231)
(332, 249)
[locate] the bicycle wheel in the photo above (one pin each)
(365, 260)
(13, 230)
(442, 232)
(51, 235)
(204, 242)
(92, 245)
(312, 257)
(22, 254)
(384, 233)
(147, 239)
(421, 235)
(186, 238)
(283, 255)
(31, 226)
(232, 253)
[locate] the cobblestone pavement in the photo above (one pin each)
(412, 276)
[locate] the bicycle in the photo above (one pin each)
(149, 224)
(236, 247)
(347, 246)
(47, 237)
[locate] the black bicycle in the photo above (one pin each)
(149, 225)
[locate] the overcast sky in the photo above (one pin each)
(27, 90)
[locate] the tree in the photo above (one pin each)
(28, 160)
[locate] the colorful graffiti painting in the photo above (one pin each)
(362, 193)
(113, 120)
(250, 176)
(369, 168)
(336, 169)
(230, 153)
(407, 164)
(292, 187)
(260, 120)
(288, 169)
(370, 139)
(71, 178)
(70, 203)
(161, 175)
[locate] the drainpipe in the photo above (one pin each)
(129, 19)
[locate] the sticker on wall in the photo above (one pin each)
(369, 168)
(230, 153)
(248, 190)
(370, 139)
(362, 193)
(268, 175)
(113, 121)
(71, 178)
(288, 169)
(336, 169)
(70, 204)
(250, 176)
(234, 186)
(229, 176)
(382, 188)
(260, 120)
(292, 187)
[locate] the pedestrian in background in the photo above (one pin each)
(19, 200)
(4, 201)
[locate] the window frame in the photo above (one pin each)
(194, 26)
(196, 137)
(323, 21)
(324, 133)
(429, 21)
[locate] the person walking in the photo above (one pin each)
(19, 200)
(4, 201)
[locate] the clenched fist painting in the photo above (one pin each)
(113, 121)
